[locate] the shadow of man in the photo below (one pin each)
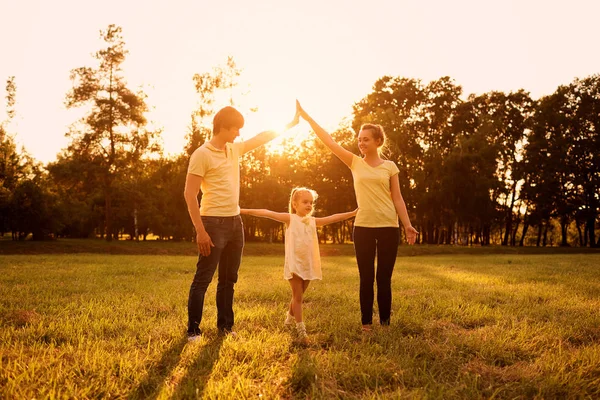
(197, 373)
(194, 382)
(150, 387)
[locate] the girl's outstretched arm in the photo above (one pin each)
(339, 151)
(335, 218)
(261, 212)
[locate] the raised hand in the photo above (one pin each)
(300, 111)
(295, 120)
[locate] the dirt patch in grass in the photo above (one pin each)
(517, 372)
(20, 318)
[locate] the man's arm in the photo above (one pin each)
(259, 212)
(335, 218)
(267, 136)
(190, 193)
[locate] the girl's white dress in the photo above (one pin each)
(302, 249)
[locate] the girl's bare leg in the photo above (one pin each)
(298, 286)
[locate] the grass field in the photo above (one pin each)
(463, 326)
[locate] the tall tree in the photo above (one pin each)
(211, 88)
(11, 168)
(112, 138)
(547, 187)
(583, 105)
(506, 119)
(437, 138)
(15, 166)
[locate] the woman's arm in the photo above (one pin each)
(335, 218)
(339, 151)
(261, 212)
(400, 205)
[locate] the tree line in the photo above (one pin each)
(496, 168)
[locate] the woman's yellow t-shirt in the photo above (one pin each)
(373, 194)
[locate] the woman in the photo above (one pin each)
(376, 229)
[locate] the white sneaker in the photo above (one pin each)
(302, 335)
(194, 338)
(301, 330)
(289, 319)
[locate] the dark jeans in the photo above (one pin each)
(227, 234)
(384, 243)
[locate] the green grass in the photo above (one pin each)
(463, 326)
(99, 246)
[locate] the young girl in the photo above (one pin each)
(302, 258)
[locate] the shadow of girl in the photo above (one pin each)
(304, 374)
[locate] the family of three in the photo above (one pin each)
(214, 170)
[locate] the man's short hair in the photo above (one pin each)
(226, 118)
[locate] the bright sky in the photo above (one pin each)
(326, 53)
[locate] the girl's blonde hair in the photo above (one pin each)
(294, 196)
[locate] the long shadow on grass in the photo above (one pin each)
(150, 387)
(304, 375)
(192, 385)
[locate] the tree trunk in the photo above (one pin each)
(591, 230)
(485, 240)
(579, 233)
(108, 214)
(525, 228)
(545, 234)
(564, 226)
(509, 214)
(539, 238)
(513, 239)
(135, 224)
(430, 229)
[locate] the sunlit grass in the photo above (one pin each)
(463, 326)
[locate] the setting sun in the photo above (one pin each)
(285, 52)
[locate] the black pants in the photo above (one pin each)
(367, 243)
(227, 234)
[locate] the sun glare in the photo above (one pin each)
(287, 141)
(276, 118)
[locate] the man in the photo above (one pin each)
(214, 169)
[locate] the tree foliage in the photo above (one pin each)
(111, 141)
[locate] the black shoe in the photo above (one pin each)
(227, 332)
